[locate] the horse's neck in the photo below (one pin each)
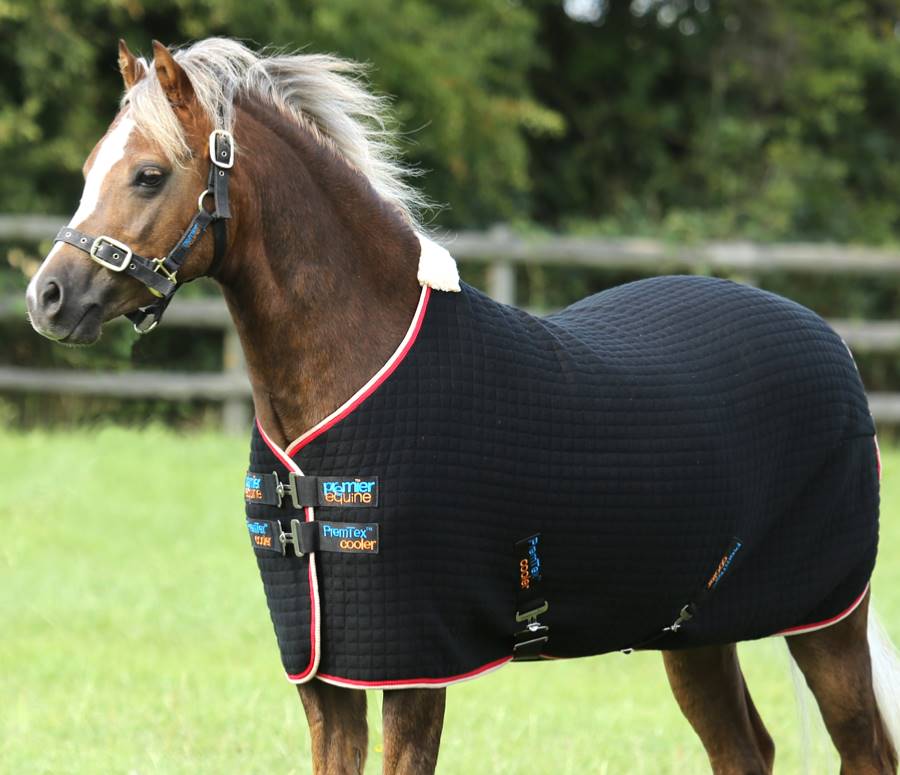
(320, 278)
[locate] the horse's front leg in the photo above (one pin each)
(412, 721)
(337, 728)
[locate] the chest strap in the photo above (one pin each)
(314, 536)
(357, 492)
(268, 535)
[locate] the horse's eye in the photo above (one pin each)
(149, 177)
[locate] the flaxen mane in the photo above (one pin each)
(323, 93)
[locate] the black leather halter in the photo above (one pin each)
(160, 274)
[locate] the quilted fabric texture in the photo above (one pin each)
(638, 432)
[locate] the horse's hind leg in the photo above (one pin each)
(837, 667)
(710, 689)
(412, 720)
(337, 728)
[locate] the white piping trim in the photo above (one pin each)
(399, 352)
(336, 681)
(314, 578)
(790, 631)
(313, 575)
(285, 457)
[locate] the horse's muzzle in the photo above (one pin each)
(61, 306)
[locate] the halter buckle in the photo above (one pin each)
(160, 268)
(221, 156)
(123, 256)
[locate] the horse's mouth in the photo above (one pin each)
(86, 330)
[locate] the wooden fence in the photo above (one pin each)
(502, 251)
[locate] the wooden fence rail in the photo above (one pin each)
(230, 386)
(503, 251)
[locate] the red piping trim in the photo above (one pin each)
(412, 682)
(374, 383)
(799, 630)
(339, 414)
(312, 581)
(877, 456)
(276, 450)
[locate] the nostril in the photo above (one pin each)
(51, 296)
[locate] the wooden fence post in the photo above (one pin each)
(235, 409)
(501, 282)
(501, 273)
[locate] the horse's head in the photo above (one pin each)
(137, 203)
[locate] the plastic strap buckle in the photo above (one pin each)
(302, 536)
(302, 490)
(530, 642)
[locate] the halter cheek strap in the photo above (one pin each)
(160, 274)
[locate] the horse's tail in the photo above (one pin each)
(801, 698)
(885, 678)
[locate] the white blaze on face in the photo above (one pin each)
(111, 150)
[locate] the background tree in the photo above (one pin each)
(459, 72)
(771, 119)
(684, 119)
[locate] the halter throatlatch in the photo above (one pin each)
(160, 275)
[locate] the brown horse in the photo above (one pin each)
(318, 212)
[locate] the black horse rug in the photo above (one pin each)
(675, 462)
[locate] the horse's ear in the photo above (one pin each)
(172, 78)
(130, 66)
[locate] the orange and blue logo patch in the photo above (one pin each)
(343, 491)
(529, 562)
(263, 535)
(724, 564)
(357, 538)
(253, 487)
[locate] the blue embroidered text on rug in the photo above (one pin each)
(666, 437)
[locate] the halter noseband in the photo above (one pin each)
(159, 274)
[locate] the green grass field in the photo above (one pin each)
(134, 637)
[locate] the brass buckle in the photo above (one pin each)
(159, 268)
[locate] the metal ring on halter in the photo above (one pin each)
(147, 330)
(203, 196)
